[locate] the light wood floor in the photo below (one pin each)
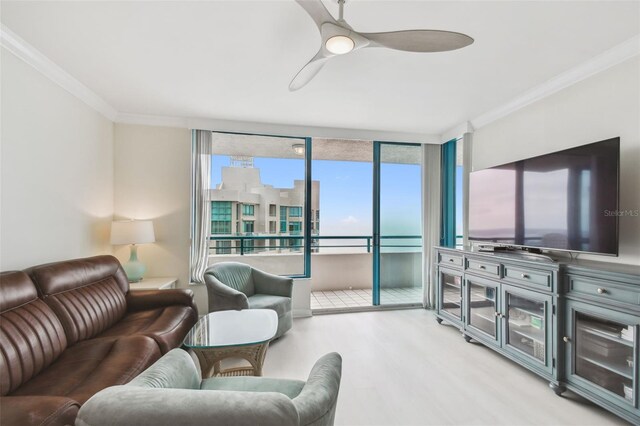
(402, 368)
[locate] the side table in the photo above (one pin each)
(154, 283)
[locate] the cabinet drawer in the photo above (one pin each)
(486, 268)
(450, 259)
(528, 276)
(603, 290)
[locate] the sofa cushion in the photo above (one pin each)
(92, 365)
(88, 295)
(38, 410)
(166, 325)
(282, 305)
(290, 388)
(32, 337)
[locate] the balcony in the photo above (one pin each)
(341, 266)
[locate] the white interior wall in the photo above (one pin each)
(601, 107)
(152, 181)
(56, 171)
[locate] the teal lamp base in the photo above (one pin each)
(133, 268)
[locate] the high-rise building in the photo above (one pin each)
(243, 206)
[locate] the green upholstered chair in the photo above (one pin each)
(233, 285)
(171, 392)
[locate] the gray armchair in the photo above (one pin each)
(233, 285)
(170, 392)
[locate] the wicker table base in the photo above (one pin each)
(210, 360)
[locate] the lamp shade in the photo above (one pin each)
(132, 232)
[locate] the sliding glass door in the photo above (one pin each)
(397, 224)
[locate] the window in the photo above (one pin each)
(248, 209)
(257, 175)
(220, 227)
(221, 210)
(283, 219)
(295, 211)
(295, 228)
(223, 247)
(220, 217)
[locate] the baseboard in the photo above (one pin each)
(301, 313)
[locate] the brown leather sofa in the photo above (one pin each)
(70, 329)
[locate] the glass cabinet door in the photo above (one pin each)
(451, 294)
(527, 324)
(482, 307)
(604, 353)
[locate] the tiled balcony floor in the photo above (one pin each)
(344, 299)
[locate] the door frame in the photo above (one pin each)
(376, 212)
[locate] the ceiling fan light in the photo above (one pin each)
(339, 45)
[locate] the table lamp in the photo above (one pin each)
(133, 232)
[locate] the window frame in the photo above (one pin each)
(306, 208)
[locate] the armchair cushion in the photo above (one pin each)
(150, 399)
(235, 275)
(129, 405)
(290, 388)
(274, 285)
(233, 285)
(282, 305)
(316, 404)
(223, 298)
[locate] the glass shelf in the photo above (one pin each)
(526, 326)
(602, 355)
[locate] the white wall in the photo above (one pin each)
(152, 181)
(601, 107)
(56, 171)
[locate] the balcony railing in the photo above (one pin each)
(246, 244)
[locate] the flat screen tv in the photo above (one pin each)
(566, 200)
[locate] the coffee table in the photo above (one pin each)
(232, 334)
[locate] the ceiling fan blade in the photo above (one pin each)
(317, 11)
(419, 40)
(308, 71)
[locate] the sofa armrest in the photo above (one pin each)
(37, 410)
(316, 403)
(223, 297)
(274, 285)
(150, 299)
(124, 405)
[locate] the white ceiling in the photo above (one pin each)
(233, 60)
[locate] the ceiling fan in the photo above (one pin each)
(338, 38)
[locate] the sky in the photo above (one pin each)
(346, 192)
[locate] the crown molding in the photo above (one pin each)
(274, 128)
(152, 120)
(457, 132)
(29, 54)
(593, 66)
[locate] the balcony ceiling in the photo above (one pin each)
(234, 59)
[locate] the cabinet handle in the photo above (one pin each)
(498, 314)
(566, 339)
(483, 267)
(451, 260)
(601, 290)
(524, 276)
